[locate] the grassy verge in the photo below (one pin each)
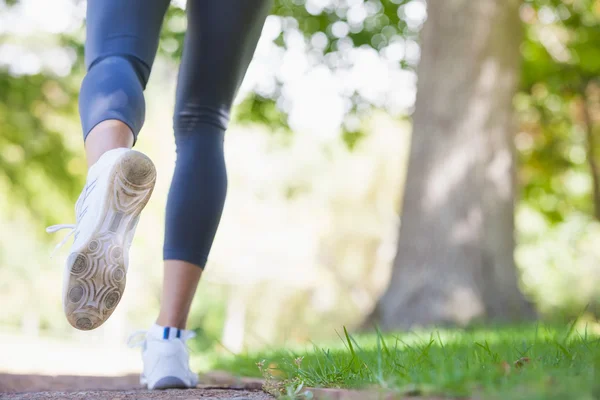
(524, 362)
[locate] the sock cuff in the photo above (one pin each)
(165, 332)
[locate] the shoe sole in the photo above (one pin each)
(97, 274)
(170, 382)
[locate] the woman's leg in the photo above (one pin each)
(121, 43)
(220, 42)
(122, 37)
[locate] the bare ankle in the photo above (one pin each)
(107, 135)
(171, 322)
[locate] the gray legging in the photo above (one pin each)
(122, 38)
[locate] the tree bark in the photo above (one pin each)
(455, 254)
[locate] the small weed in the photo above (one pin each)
(287, 389)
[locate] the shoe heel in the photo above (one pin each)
(137, 169)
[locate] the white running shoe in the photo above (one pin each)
(118, 187)
(166, 358)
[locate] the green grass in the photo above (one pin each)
(561, 363)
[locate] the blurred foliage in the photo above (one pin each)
(30, 150)
(31, 147)
(559, 107)
(558, 147)
(329, 34)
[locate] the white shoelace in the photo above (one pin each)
(138, 338)
(72, 227)
(56, 228)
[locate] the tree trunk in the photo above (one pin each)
(455, 253)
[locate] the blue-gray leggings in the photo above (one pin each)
(221, 37)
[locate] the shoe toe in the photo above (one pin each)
(84, 322)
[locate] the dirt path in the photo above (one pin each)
(13, 387)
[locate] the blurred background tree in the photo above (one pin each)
(455, 254)
(341, 197)
(32, 106)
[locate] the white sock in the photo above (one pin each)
(165, 332)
